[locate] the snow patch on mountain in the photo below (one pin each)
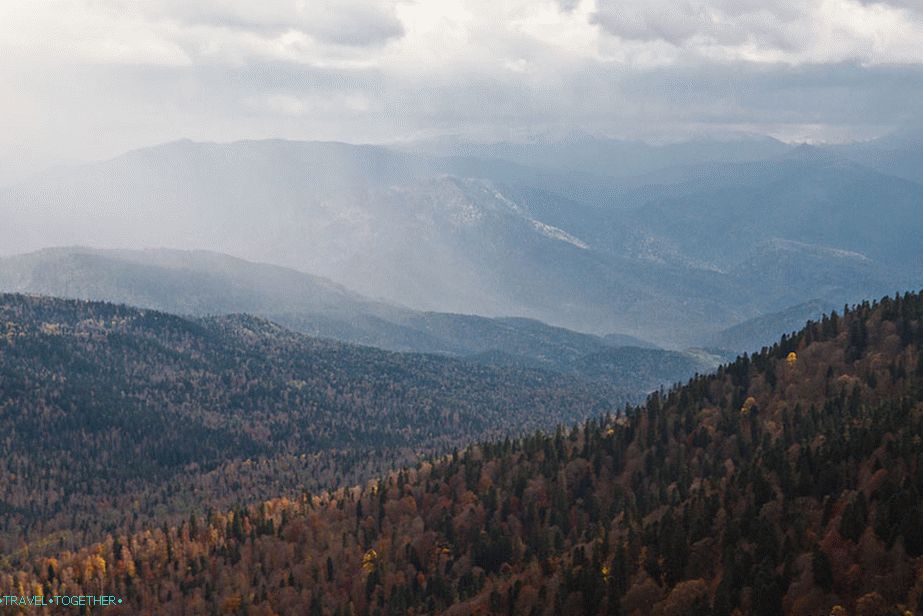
(557, 234)
(547, 230)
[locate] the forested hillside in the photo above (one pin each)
(111, 417)
(787, 482)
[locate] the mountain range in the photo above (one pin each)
(275, 377)
(200, 283)
(536, 232)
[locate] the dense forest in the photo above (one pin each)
(111, 417)
(788, 482)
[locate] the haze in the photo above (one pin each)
(570, 162)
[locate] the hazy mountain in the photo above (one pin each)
(755, 333)
(813, 200)
(621, 340)
(189, 282)
(602, 157)
(899, 154)
(800, 227)
(785, 272)
(634, 369)
(786, 483)
(205, 283)
(485, 236)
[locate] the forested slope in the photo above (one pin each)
(788, 482)
(112, 416)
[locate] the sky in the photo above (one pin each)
(88, 79)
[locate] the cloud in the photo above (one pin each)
(670, 22)
(356, 25)
(89, 78)
(912, 5)
(568, 6)
(340, 22)
(791, 31)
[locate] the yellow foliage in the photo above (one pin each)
(130, 567)
(370, 561)
(748, 404)
(605, 571)
(93, 565)
(792, 358)
(838, 610)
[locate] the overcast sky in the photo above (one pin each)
(84, 79)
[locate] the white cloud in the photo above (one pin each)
(61, 32)
(342, 22)
(73, 70)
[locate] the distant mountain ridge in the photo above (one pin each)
(475, 235)
(753, 334)
(617, 158)
(204, 283)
